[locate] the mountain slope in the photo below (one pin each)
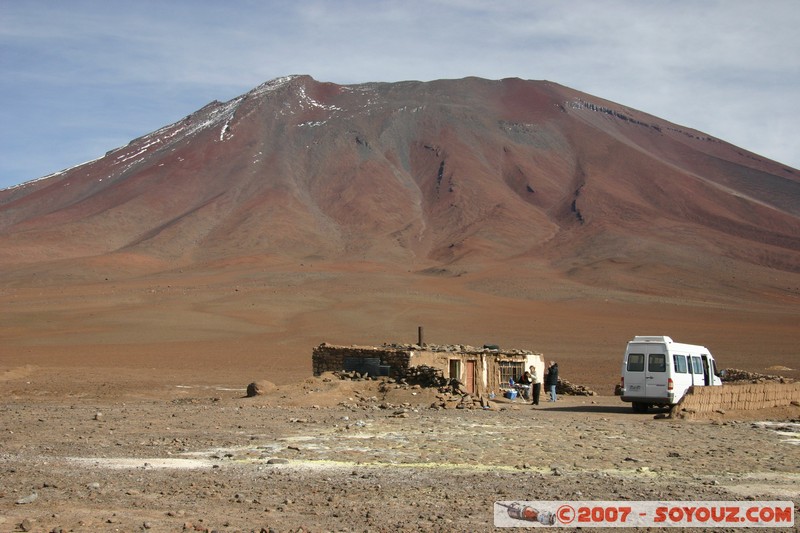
(451, 174)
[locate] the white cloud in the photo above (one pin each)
(82, 72)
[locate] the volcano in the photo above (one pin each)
(435, 175)
(451, 201)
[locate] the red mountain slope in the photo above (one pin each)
(453, 174)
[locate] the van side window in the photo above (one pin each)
(697, 366)
(680, 364)
(636, 362)
(657, 362)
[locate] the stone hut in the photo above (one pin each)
(480, 370)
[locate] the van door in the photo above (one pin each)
(716, 379)
(656, 376)
(681, 375)
(706, 370)
(633, 373)
(697, 371)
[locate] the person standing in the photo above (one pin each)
(536, 386)
(526, 385)
(551, 379)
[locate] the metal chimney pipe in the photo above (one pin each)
(419, 335)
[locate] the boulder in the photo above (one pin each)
(257, 388)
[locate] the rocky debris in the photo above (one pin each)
(452, 393)
(571, 389)
(352, 375)
(366, 401)
(733, 375)
(459, 348)
(450, 400)
(454, 386)
(424, 376)
(468, 402)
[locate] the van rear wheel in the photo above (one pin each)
(639, 407)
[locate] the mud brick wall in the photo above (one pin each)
(330, 358)
(746, 397)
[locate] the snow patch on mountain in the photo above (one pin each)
(272, 85)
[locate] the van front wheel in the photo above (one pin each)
(639, 407)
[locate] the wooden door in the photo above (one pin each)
(469, 376)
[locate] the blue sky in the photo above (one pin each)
(79, 78)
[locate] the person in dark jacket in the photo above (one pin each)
(551, 379)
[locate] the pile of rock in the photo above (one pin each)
(353, 375)
(365, 402)
(451, 400)
(571, 389)
(454, 386)
(424, 376)
(733, 375)
(458, 348)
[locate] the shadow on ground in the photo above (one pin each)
(623, 408)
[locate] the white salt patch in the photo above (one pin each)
(119, 463)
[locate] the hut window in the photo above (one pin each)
(455, 369)
(510, 369)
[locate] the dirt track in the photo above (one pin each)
(343, 456)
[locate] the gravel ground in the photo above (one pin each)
(347, 456)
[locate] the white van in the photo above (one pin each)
(659, 371)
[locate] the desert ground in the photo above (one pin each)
(334, 455)
(124, 403)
